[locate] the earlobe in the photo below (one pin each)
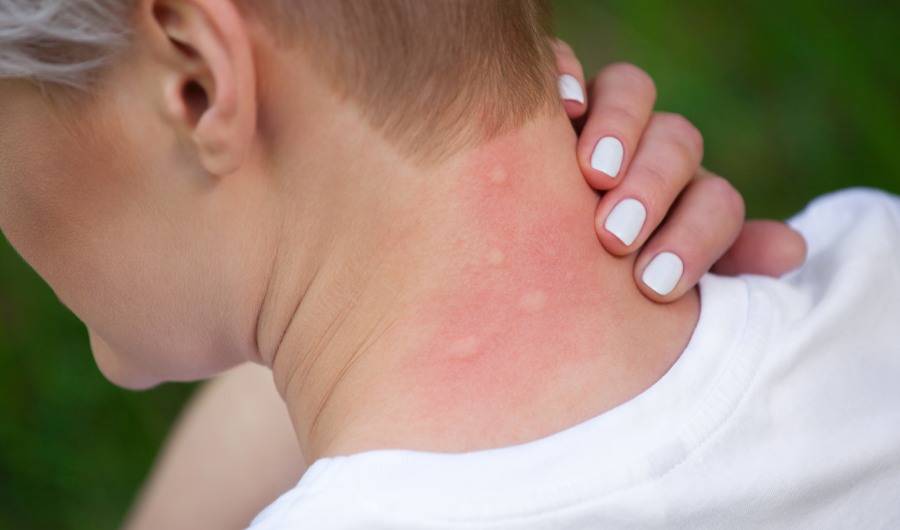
(209, 87)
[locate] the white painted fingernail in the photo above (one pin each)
(607, 156)
(626, 220)
(570, 88)
(663, 273)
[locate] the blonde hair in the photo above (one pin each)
(60, 42)
(422, 71)
(425, 72)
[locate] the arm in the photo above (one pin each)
(231, 454)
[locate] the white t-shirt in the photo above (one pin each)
(783, 412)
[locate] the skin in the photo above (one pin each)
(102, 231)
(231, 454)
(173, 231)
(662, 153)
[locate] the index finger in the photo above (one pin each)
(571, 79)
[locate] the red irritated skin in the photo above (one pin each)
(524, 313)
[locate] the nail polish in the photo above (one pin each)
(626, 220)
(607, 156)
(663, 273)
(570, 88)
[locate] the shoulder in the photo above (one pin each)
(852, 222)
(311, 504)
(852, 270)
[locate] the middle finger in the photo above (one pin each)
(666, 159)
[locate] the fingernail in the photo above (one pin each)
(626, 220)
(663, 273)
(607, 156)
(570, 88)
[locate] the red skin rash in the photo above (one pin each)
(503, 330)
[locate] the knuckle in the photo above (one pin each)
(683, 131)
(707, 239)
(726, 195)
(561, 46)
(635, 77)
(623, 117)
(656, 185)
(727, 199)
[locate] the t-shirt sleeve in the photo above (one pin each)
(851, 224)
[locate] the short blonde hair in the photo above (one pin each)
(423, 72)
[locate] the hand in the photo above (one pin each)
(658, 201)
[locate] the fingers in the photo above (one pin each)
(571, 79)
(622, 98)
(648, 162)
(704, 223)
(769, 248)
(666, 161)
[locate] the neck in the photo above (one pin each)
(464, 307)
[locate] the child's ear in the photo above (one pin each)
(208, 78)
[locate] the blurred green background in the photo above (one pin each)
(795, 99)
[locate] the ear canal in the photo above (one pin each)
(195, 100)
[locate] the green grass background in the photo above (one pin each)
(795, 98)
